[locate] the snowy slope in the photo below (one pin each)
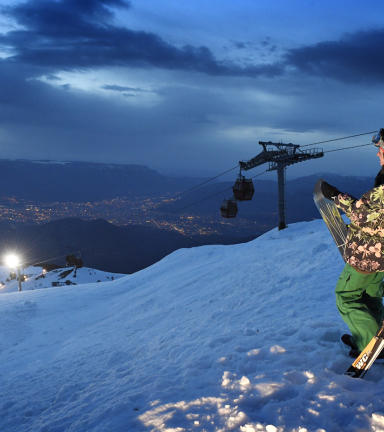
(37, 278)
(216, 338)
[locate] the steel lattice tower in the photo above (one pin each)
(278, 159)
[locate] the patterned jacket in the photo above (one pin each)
(365, 241)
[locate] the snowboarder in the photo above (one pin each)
(359, 290)
(378, 141)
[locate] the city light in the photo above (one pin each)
(12, 261)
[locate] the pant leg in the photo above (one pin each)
(373, 298)
(357, 299)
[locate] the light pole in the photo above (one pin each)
(13, 261)
(19, 277)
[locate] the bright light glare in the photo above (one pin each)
(12, 261)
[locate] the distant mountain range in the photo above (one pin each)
(49, 181)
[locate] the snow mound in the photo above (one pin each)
(215, 338)
(37, 278)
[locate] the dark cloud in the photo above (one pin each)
(266, 42)
(354, 58)
(73, 35)
(121, 88)
(52, 77)
(70, 35)
(52, 17)
(239, 45)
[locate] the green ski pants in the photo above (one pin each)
(359, 300)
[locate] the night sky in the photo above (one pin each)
(190, 87)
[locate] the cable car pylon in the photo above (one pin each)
(279, 156)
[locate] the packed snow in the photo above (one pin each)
(38, 278)
(216, 338)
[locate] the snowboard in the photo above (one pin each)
(365, 360)
(331, 216)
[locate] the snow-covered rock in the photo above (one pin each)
(215, 338)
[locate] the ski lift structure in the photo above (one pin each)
(278, 156)
(72, 261)
(14, 276)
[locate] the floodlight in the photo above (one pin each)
(12, 261)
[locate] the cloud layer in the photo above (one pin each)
(77, 35)
(70, 35)
(197, 100)
(356, 57)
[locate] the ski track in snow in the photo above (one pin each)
(215, 338)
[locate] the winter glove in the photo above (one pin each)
(329, 191)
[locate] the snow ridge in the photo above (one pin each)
(215, 338)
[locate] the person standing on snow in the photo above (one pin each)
(378, 141)
(359, 290)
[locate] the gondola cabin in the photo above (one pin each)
(229, 208)
(70, 260)
(12, 275)
(243, 189)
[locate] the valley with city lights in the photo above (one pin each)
(128, 211)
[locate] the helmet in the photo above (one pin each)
(378, 140)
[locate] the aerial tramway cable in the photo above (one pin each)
(149, 209)
(224, 190)
(204, 199)
(338, 139)
(347, 148)
(183, 193)
(218, 193)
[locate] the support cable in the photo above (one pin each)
(149, 209)
(337, 139)
(347, 148)
(211, 196)
(183, 193)
(43, 262)
(197, 202)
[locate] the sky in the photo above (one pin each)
(190, 88)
